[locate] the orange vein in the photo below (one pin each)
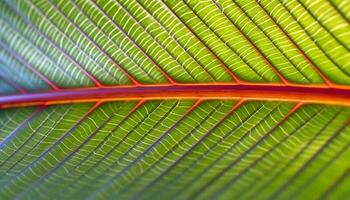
(276, 92)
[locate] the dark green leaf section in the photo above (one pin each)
(6, 88)
(175, 149)
(11, 119)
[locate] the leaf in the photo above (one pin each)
(142, 99)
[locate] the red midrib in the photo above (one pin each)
(304, 93)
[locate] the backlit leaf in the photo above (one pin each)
(163, 99)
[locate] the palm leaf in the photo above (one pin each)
(144, 99)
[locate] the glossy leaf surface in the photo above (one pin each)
(144, 99)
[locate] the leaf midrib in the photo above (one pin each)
(279, 92)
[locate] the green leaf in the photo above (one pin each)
(192, 99)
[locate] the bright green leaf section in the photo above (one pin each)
(316, 41)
